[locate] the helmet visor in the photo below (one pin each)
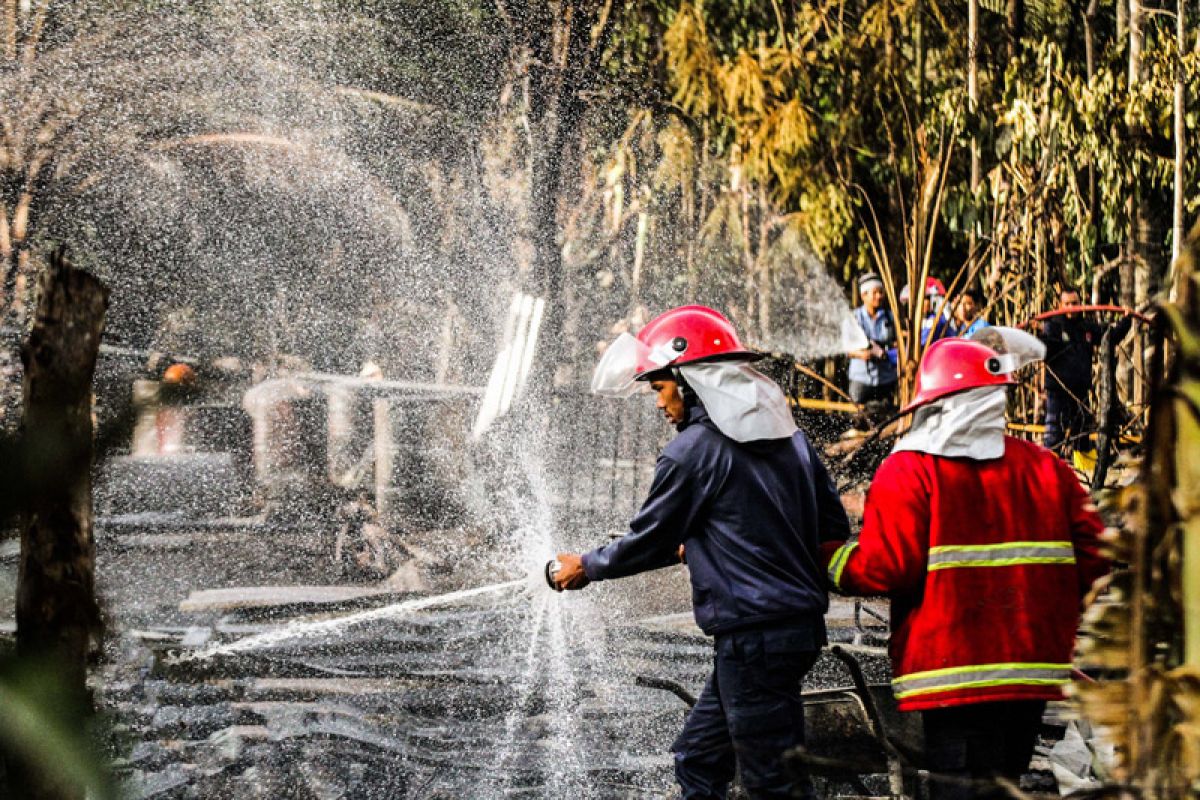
(616, 374)
(1016, 348)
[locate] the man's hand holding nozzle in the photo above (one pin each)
(570, 574)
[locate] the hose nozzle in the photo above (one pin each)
(551, 572)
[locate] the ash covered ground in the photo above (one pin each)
(520, 693)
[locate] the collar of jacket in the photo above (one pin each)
(692, 415)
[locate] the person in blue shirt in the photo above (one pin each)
(743, 494)
(872, 372)
(968, 312)
(935, 317)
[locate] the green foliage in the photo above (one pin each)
(821, 104)
(40, 730)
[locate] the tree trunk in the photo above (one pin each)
(919, 49)
(1014, 26)
(1131, 267)
(1177, 221)
(763, 266)
(1136, 38)
(1108, 410)
(1147, 231)
(973, 104)
(1093, 200)
(562, 61)
(57, 616)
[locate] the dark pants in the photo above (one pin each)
(1068, 420)
(863, 393)
(979, 742)
(749, 713)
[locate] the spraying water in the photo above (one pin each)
(332, 627)
(247, 189)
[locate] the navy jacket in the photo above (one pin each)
(752, 516)
(1070, 343)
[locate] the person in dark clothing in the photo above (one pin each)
(1071, 340)
(746, 497)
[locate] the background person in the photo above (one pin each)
(743, 489)
(968, 312)
(872, 372)
(936, 322)
(1071, 340)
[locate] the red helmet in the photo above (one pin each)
(955, 365)
(933, 288)
(688, 335)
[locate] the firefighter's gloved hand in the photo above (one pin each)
(570, 573)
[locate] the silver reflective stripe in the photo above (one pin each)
(982, 675)
(1001, 555)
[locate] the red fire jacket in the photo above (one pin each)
(985, 562)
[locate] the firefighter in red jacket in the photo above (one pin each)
(986, 546)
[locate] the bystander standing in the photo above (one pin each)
(1070, 340)
(968, 312)
(872, 372)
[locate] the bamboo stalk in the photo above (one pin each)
(34, 38)
(748, 260)
(6, 242)
(1180, 130)
(1187, 483)
(10, 29)
(763, 265)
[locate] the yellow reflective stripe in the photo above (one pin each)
(974, 668)
(981, 675)
(900, 695)
(838, 563)
(1002, 562)
(1005, 554)
(978, 548)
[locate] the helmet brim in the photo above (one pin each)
(745, 356)
(916, 404)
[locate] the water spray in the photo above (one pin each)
(307, 629)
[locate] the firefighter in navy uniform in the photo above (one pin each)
(1070, 341)
(986, 545)
(745, 492)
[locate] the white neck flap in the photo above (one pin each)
(969, 424)
(744, 404)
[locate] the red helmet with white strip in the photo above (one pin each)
(988, 358)
(685, 335)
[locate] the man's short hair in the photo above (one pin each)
(976, 294)
(1068, 289)
(664, 374)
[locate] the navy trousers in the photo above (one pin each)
(867, 393)
(1067, 419)
(748, 714)
(968, 746)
